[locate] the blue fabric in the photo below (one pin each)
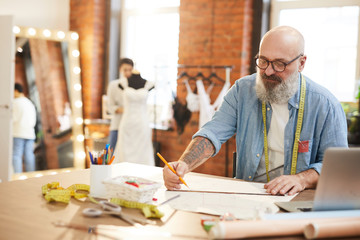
(324, 125)
(113, 139)
(23, 148)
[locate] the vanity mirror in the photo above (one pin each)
(49, 61)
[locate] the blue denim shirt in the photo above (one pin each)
(324, 126)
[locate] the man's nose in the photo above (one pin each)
(270, 70)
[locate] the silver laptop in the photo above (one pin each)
(338, 187)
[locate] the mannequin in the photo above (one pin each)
(135, 81)
(134, 137)
(115, 100)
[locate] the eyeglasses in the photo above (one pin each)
(277, 65)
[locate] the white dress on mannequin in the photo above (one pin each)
(134, 138)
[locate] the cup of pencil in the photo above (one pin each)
(101, 168)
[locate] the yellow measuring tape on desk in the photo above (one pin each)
(149, 210)
(53, 192)
(297, 133)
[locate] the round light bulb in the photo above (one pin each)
(78, 104)
(47, 33)
(75, 53)
(19, 49)
(77, 86)
(31, 31)
(77, 70)
(74, 36)
(81, 155)
(16, 29)
(60, 34)
(79, 121)
(80, 137)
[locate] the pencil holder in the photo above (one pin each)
(98, 173)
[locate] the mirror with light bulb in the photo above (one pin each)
(47, 64)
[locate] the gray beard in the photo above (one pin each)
(278, 93)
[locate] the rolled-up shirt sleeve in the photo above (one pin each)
(223, 124)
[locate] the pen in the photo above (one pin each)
(171, 168)
(107, 153)
(89, 154)
(112, 159)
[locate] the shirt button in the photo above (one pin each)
(268, 109)
(249, 177)
(258, 155)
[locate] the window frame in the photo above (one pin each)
(278, 5)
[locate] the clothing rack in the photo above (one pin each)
(228, 69)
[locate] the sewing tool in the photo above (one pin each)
(171, 168)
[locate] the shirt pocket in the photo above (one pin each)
(304, 155)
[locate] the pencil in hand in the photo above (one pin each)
(171, 168)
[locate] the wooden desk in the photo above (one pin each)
(25, 214)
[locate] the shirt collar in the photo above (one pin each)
(294, 100)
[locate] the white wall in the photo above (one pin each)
(7, 60)
(52, 14)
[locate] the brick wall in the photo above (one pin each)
(20, 76)
(211, 33)
(51, 84)
(87, 17)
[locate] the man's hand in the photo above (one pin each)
(285, 184)
(292, 184)
(171, 180)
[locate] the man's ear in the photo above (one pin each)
(302, 63)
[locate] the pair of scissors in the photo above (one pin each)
(114, 210)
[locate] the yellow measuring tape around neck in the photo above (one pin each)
(297, 133)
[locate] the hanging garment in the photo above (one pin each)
(182, 115)
(134, 139)
(207, 109)
(192, 99)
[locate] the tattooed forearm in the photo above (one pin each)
(199, 150)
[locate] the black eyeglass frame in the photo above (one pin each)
(272, 65)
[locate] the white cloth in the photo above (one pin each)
(134, 138)
(24, 118)
(115, 100)
(279, 119)
(207, 109)
(192, 99)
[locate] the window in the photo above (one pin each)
(331, 32)
(150, 36)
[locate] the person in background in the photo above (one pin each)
(115, 99)
(276, 95)
(24, 121)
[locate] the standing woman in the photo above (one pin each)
(115, 99)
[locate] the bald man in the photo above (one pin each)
(276, 94)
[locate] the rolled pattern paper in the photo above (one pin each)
(349, 228)
(255, 228)
(267, 228)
